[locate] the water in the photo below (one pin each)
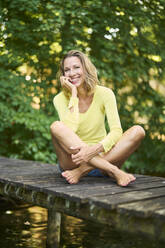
(23, 225)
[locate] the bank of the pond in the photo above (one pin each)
(24, 225)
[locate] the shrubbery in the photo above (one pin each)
(125, 40)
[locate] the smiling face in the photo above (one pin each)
(74, 71)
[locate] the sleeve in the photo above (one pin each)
(70, 119)
(113, 121)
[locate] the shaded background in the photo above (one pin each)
(124, 39)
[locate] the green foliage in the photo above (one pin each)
(124, 39)
(24, 131)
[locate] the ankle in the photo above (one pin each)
(84, 169)
(114, 169)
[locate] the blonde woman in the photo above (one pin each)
(81, 143)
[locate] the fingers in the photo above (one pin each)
(75, 147)
(75, 150)
(65, 81)
(79, 154)
(76, 160)
(62, 78)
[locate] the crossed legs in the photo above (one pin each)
(63, 138)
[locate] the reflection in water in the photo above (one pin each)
(82, 234)
(23, 225)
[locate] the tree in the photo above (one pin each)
(124, 39)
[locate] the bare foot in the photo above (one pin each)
(122, 178)
(72, 176)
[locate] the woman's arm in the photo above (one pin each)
(85, 153)
(68, 112)
(113, 121)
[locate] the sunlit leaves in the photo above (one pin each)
(124, 39)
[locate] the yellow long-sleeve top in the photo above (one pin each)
(90, 126)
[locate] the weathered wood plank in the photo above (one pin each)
(160, 213)
(101, 192)
(53, 230)
(113, 200)
(145, 207)
(75, 192)
(35, 178)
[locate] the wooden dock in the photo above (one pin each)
(137, 208)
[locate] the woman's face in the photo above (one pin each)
(74, 71)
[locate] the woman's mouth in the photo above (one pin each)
(74, 81)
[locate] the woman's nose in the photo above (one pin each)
(71, 72)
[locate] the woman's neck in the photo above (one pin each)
(82, 93)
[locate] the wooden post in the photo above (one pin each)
(53, 229)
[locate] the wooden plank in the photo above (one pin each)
(28, 170)
(87, 191)
(36, 173)
(97, 194)
(19, 162)
(113, 200)
(54, 228)
(105, 192)
(87, 181)
(160, 213)
(74, 193)
(143, 208)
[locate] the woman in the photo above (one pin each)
(80, 140)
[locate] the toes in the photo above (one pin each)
(69, 177)
(127, 181)
(64, 174)
(70, 181)
(132, 178)
(124, 184)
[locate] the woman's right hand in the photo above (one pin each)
(65, 83)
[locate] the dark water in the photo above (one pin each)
(23, 225)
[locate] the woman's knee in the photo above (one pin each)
(138, 133)
(56, 127)
(59, 132)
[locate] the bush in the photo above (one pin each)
(125, 40)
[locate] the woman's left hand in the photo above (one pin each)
(85, 153)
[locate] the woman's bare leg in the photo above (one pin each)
(75, 172)
(128, 143)
(67, 138)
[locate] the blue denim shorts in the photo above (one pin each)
(92, 173)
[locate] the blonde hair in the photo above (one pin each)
(91, 79)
